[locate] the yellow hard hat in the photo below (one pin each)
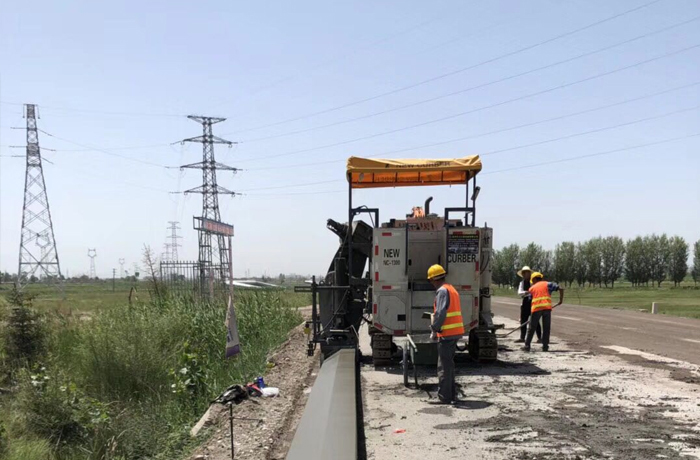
(436, 271)
(535, 275)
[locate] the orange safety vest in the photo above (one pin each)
(453, 324)
(541, 298)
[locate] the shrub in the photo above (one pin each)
(25, 337)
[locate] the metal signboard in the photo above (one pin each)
(213, 226)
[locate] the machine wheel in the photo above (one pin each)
(483, 345)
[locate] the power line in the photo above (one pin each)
(597, 130)
(455, 72)
(546, 141)
(129, 147)
(305, 184)
(490, 106)
(480, 86)
(496, 131)
(341, 58)
(527, 166)
(102, 112)
(316, 192)
(107, 152)
(590, 155)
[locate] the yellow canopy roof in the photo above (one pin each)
(374, 173)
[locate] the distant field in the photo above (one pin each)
(680, 301)
(84, 297)
(89, 297)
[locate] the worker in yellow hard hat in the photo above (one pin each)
(541, 292)
(447, 325)
(526, 304)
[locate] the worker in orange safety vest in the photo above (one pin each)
(447, 325)
(541, 292)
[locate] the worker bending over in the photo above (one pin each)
(541, 292)
(526, 305)
(447, 325)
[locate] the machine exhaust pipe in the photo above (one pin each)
(427, 205)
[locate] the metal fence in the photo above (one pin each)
(192, 278)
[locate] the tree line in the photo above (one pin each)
(601, 261)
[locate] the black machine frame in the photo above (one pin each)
(360, 289)
(469, 211)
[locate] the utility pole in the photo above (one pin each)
(121, 272)
(92, 253)
(173, 245)
(114, 277)
(38, 256)
(215, 252)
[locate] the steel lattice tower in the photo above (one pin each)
(173, 245)
(121, 270)
(38, 256)
(211, 251)
(92, 253)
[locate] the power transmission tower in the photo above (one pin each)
(165, 255)
(121, 271)
(211, 253)
(92, 253)
(173, 245)
(38, 256)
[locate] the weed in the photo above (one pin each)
(106, 391)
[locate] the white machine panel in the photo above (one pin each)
(389, 258)
(398, 308)
(391, 311)
(421, 301)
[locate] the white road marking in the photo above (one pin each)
(652, 357)
(570, 318)
(691, 340)
(629, 328)
(508, 302)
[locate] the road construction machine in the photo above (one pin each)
(378, 275)
(379, 272)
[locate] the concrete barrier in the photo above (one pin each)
(328, 427)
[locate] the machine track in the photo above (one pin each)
(483, 345)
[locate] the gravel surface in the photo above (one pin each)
(592, 327)
(571, 403)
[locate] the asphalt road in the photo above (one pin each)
(668, 336)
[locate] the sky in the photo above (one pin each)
(585, 114)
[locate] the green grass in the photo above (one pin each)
(676, 301)
(131, 381)
(80, 297)
(94, 296)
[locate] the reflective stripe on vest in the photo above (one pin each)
(541, 298)
(453, 325)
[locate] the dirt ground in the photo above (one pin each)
(593, 327)
(264, 427)
(570, 403)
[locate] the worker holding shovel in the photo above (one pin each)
(541, 292)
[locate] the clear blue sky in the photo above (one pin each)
(111, 75)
